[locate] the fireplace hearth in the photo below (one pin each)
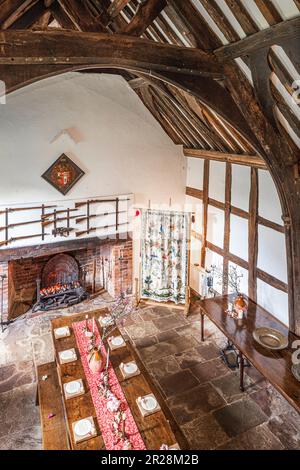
(61, 286)
(64, 295)
(84, 267)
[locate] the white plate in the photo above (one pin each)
(117, 341)
(73, 387)
(89, 334)
(130, 368)
(83, 427)
(66, 355)
(106, 320)
(149, 403)
(62, 331)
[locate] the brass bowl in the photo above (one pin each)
(270, 338)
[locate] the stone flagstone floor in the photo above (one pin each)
(201, 392)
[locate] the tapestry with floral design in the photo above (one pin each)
(165, 239)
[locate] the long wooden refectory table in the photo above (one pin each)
(156, 429)
(275, 366)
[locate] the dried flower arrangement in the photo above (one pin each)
(232, 278)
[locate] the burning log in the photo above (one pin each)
(60, 296)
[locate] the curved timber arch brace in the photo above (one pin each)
(26, 57)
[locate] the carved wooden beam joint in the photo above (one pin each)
(287, 221)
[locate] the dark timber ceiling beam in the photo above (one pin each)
(81, 16)
(116, 7)
(219, 100)
(201, 31)
(145, 15)
(265, 38)
(62, 18)
(77, 49)
(43, 21)
(24, 16)
(246, 160)
(269, 11)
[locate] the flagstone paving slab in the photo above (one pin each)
(164, 366)
(205, 433)
(169, 322)
(229, 386)
(209, 370)
(258, 438)
(194, 403)
(240, 416)
(178, 383)
(27, 439)
(16, 375)
(286, 427)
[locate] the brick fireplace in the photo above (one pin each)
(101, 264)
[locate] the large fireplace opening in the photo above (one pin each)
(60, 285)
(47, 277)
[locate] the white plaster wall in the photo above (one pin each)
(111, 136)
(215, 226)
(272, 252)
(117, 143)
(274, 300)
(216, 188)
(269, 204)
(195, 173)
(239, 237)
(240, 186)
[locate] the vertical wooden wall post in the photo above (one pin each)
(228, 183)
(253, 235)
(205, 211)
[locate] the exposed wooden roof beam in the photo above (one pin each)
(78, 49)
(247, 160)
(43, 21)
(269, 11)
(244, 18)
(48, 3)
(220, 19)
(145, 15)
(220, 101)
(209, 138)
(286, 110)
(116, 7)
(7, 7)
(182, 117)
(62, 18)
(265, 38)
(81, 16)
(30, 17)
(138, 82)
(19, 12)
(201, 31)
(146, 97)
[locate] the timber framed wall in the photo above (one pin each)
(238, 222)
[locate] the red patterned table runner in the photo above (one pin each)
(105, 417)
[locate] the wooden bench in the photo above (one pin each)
(50, 402)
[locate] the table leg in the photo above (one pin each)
(37, 397)
(202, 326)
(242, 364)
